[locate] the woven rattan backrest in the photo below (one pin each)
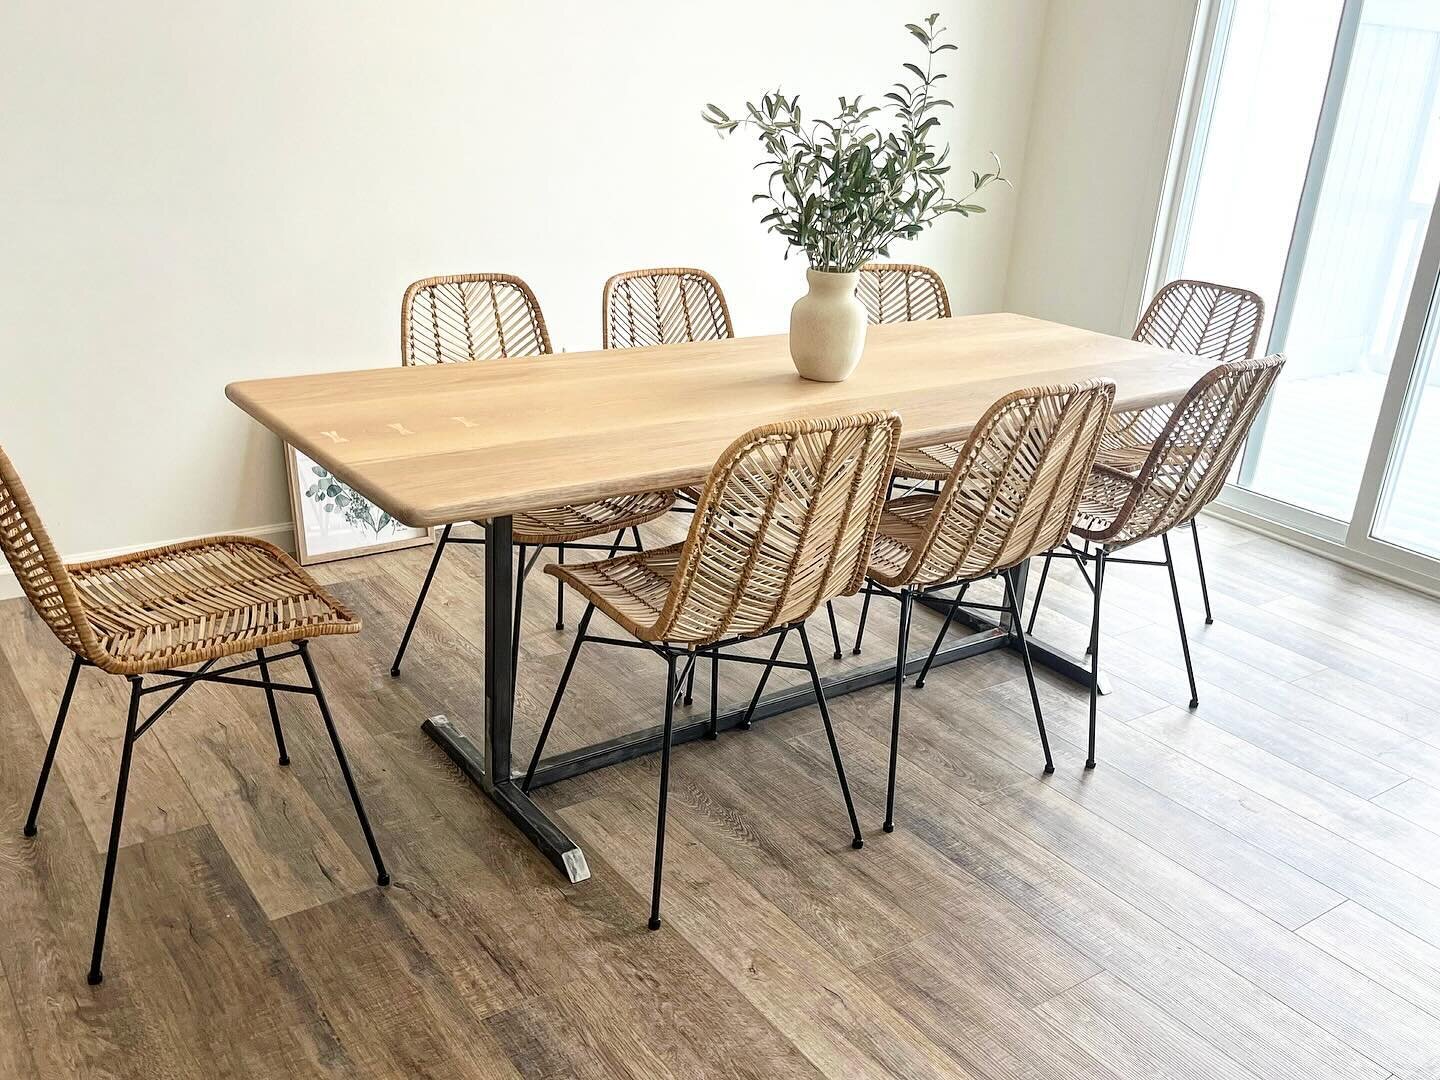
(785, 522)
(663, 307)
(1218, 322)
(41, 573)
(901, 292)
(1191, 454)
(1015, 486)
(461, 317)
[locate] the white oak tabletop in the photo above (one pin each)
(457, 442)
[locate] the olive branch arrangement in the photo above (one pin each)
(844, 190)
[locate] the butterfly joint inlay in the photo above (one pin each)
(401, 428)
(334, 436)
(463, 422)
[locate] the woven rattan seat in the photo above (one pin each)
(204, 600)
(900, 532)
(157, 613)
(630, 589)
(931, 463)
(167, 607)
(1105, 496)
(778, 532)
(570, 524)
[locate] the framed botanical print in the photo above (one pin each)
(334, 521)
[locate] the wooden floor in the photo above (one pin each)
(1247, 892)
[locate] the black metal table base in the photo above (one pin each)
(517, 806)
(488, 763)
(1041, 652)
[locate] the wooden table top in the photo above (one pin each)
(457, 442)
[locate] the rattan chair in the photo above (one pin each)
(150, 614)
(901, 292)
(907, 292)
(1190, 456)
(466, 317)
(664, 306)
(1219, 322)
(671, 306)
(1011, 493)
(785, 522)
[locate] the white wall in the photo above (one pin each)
(195, 193)
(1111, 73)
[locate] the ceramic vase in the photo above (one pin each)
(827, 327)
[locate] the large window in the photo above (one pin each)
(1310, 176)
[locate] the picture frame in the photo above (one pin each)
(333, 521)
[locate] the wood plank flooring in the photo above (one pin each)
(1249, 891)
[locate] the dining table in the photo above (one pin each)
(479, 442)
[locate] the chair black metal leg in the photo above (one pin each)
(860, 630)
(1020, 634)
(902, 649)
(639, 544)
(712, 732)
(1180, 622)
(107, 883)
(518, 608)
(382, 877)
(559, 693)
(1095, 654)
(744, 724)
(560, 593)
(834, 627)
(75, 666)
(690, 682)
(1200, 566)
(856, 841)
(420, 600)
(274, 712)
(654, 923)
(1039, 592)
(940, 637)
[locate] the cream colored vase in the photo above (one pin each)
(827, 328)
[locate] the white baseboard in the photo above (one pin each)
(1327, 549)
(281, 535)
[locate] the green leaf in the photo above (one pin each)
(844, 187)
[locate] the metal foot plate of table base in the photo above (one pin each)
(488, 762)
